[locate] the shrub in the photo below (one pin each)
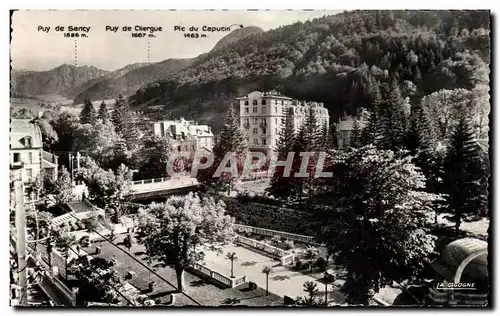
(321, 264)
(285, 246)
(84, 241)
(298, 265)
(305, 266)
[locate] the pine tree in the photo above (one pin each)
(464, 173)
(370, 132)
(308, 140)
(355, 136)
(281, 187)
(309, 135)
(88, 114)
(124, 123)
(392, 120)
(103, 113)
(332, 141)
(420, 135)
(421, 143)
(286, 140)
(231, 140)
(324, 140)
(231, 137)
(119, 113)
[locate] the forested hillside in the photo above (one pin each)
(127, 82)
(339, 60)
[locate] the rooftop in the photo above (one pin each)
(22, 132)
(456, 252)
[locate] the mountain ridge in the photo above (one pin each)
(53, 81)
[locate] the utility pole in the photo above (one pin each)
(21, 236)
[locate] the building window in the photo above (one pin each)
(30, 157)
(27, 142)
(255, 120)
(276, 120)
(247, 121)
(246, 102)
(178, 148)
(264, 141)
(263, 110)
(254, 102)
(247, 110)
(255, 130)
(264, 131)
(17, 157)
(282, 102)
(263, 102)
(275, 109)
(29, 173)
(276, 130)
(254, 109)
(255, 141)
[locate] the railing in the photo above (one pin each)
(459, 298)
(270, 232)
(230, 282)
(284, 256)
(173, 181)
(240, 280)
(288, 259)
(69, 295)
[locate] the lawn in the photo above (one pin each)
(205, 293)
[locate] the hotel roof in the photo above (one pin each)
(20, 130)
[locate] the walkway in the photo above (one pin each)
(153, 187)
(282, 281)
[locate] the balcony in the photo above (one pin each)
(17, 165)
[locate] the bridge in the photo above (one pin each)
(153, 188)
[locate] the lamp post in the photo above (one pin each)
(327, 278)
(326, 288)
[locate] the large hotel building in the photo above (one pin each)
(262, 116)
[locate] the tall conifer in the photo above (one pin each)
(88, 114)
(464, 173)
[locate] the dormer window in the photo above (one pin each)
(28, 141)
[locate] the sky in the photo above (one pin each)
(34, 49)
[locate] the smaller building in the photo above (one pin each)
(462, 274)
(345, 126)
(26, 151)
(185, 135)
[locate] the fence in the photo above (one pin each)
(177, 180)
(229, 282)
(284, 256)
(50, 281)
(270, 232)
